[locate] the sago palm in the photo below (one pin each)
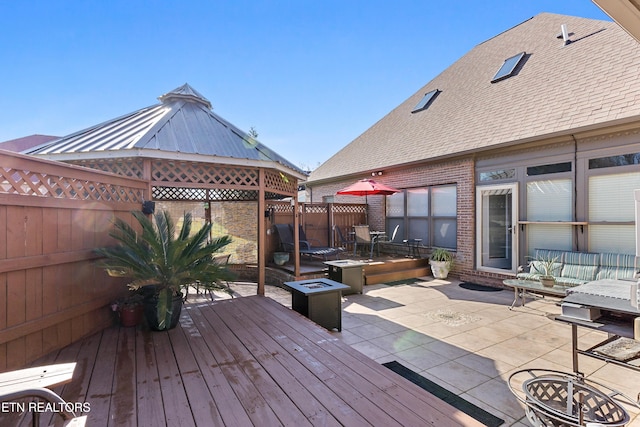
(159, 258)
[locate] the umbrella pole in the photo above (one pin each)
(366, 210)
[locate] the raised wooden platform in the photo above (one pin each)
(241, 362)
(380, 270)
(395, 269)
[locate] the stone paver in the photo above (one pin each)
(470, 342)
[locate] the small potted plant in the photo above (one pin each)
(441, 261)
(544, 268)
(280, 258)
(129, 309)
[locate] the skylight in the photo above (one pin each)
(508, 67)
(425, 101)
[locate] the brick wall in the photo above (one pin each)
(459, 172)
(237, 219)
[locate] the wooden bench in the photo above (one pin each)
(35, 383)
(393, 270)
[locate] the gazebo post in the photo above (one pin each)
(146, 175)
(262, 232)
(296, 236)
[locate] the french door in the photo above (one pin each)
(496, 225)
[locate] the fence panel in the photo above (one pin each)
(317, 221)
(52, 216)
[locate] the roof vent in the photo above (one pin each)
(564, 33)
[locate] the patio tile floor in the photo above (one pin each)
(475, 344)
(467, 341)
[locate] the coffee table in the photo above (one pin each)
(523, 288)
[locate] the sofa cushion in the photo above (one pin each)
(569, 281)
(549, 254)
(618, 266)
(580, 265)
(528, 276)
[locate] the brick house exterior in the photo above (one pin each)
(551, 145)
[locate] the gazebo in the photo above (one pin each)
(186, 152)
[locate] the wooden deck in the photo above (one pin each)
(241, 362)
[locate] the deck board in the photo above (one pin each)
(148, 395)
(244, 361)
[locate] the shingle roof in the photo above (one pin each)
(559, 89)
(26, 142)
(182, 122)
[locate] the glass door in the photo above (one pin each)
(496, 220)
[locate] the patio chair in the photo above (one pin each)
(285, 234)
(343, 240)
(34, 383)
(363, 238)
(393, 235)
(220, 260)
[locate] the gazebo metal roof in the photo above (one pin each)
(182, 124)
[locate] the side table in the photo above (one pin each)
(522, 288)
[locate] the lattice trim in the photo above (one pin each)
(281, 182)
(31, 183)
(321, 209)
(349, 208)
(203, 173)
(205, 194)
(130, 167)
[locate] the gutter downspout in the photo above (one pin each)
(575, 191)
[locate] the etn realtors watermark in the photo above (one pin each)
(40, 406)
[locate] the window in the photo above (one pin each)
(395, 214)
(612, 212)
(613, 161)
(497, 175)
(545, 169)
(508, 68)
(425, 101)
(549, 201)
(427, 213)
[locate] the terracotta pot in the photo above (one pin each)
(131, 315)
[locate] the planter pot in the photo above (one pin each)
(131, 316)
(439, 269)
(280, 258)
(548, 282)
(162, 310)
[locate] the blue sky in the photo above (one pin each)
(309, 76)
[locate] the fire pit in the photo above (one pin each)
(319, 300)
(554, 398)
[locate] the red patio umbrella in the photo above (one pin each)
(365, 187)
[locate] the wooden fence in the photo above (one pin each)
(52, 216)
(317, 220)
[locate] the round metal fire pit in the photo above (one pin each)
(554, 398)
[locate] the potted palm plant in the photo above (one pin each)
(160, 263)
(441, 261)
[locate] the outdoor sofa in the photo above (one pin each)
(577, 268)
